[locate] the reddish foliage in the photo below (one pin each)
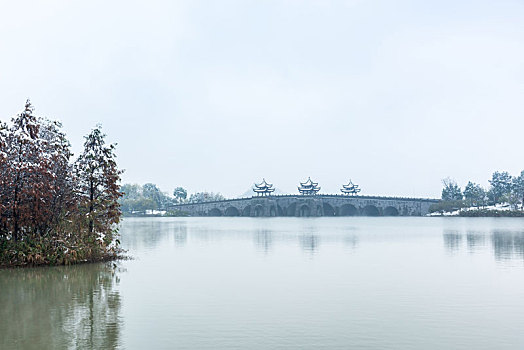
(45, 197)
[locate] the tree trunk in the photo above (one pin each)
(91, 199)
(16, 227)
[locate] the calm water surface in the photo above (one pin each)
(281, 283)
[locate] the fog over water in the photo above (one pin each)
(395, 95)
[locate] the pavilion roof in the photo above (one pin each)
(267, 189)
(308, 183)
(263, 184)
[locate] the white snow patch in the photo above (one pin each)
(155, 212)
(499, 207)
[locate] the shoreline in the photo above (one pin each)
(107, 259)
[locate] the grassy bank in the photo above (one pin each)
(491, 213)
(30, 253)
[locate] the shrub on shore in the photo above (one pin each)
(446, 206)
(491, 213)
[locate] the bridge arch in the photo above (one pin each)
(291, 209)
(272, 211)
(370, 210)
(280, 211)
(391, 211)
(328, 210)
(348, 210)
(215, 212)
(304, 210)
(246, 211)
(259, 210)
(232, 211)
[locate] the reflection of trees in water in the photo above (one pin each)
(149, 233)
(475, 240)
(264, 240)
(60, 307)
(309, 243)
(507, 244)
(452, 240)
(180, 235)
(142, 234)
(351, 241)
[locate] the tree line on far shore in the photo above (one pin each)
(148, 199)
(504, 188)
(54, 210)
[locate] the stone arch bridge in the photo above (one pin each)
(315, 205)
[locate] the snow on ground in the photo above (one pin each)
(499, 207)
(155, 212)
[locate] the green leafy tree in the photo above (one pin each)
(451, 191)
(139, 199)
(98, 187)
(180, 194)
(152, 192)
(131, 191)
(200, 197)
(518, 187)
(474, 194)
(501, 186)
(131, 194)
(143, 204)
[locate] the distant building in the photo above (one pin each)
(263, 189)
(350, 189)
(309, 187)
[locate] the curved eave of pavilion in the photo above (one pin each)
(262, 190)
(263, 187)
(264, 184)
(309, 190)
(309, 182)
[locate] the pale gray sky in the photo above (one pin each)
(215, 95)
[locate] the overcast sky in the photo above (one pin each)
(215, 95)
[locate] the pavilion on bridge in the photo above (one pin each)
(350, 189)
(308, 188)
(263, 189)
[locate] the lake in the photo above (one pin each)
(281, 283)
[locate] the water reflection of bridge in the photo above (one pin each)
(314, 205)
